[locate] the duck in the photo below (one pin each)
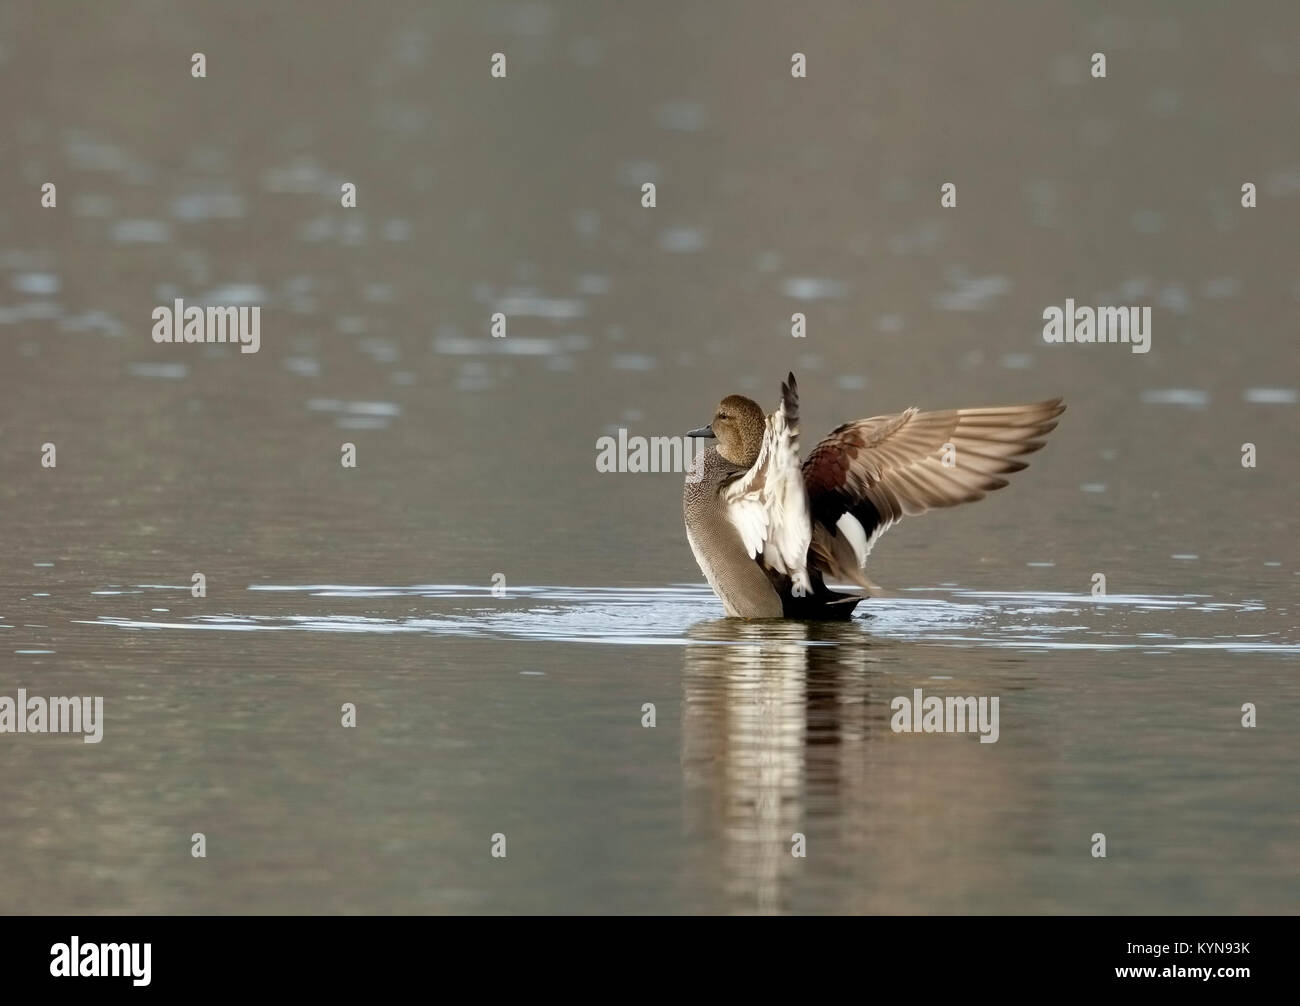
(768, 529)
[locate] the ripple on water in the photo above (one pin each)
(36, 310)
(813, 288)
(971, 293)
(514, 346)
(682, 240)
(236, 294)
(384, 409)
(1271, 396)
(39, 284)
(682, 116)
(1038, 620)
(1189, 397)
(633, 361)
(140, 232)
(303, 366)
(193, 207)
(166, 371)
(529, 305)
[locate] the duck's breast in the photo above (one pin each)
(738, 580)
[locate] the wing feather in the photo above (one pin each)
(876, 471)
(768, 505)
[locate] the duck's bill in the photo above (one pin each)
(703, 431)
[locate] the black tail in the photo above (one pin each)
(822, 605)
(832, 606)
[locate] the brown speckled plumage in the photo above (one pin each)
(862, 478)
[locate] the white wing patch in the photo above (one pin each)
(853, 532)
(768, 505)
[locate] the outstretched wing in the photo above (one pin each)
(869, 474)
(768, 505)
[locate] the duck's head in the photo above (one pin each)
(738, 424)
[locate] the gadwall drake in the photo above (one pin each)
(768, 531)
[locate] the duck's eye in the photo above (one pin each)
(721, 415)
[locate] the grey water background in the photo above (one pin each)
(522, 714)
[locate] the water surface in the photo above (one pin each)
(520, 712)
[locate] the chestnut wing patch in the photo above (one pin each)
(867, 475)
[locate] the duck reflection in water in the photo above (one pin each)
(786, 732)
